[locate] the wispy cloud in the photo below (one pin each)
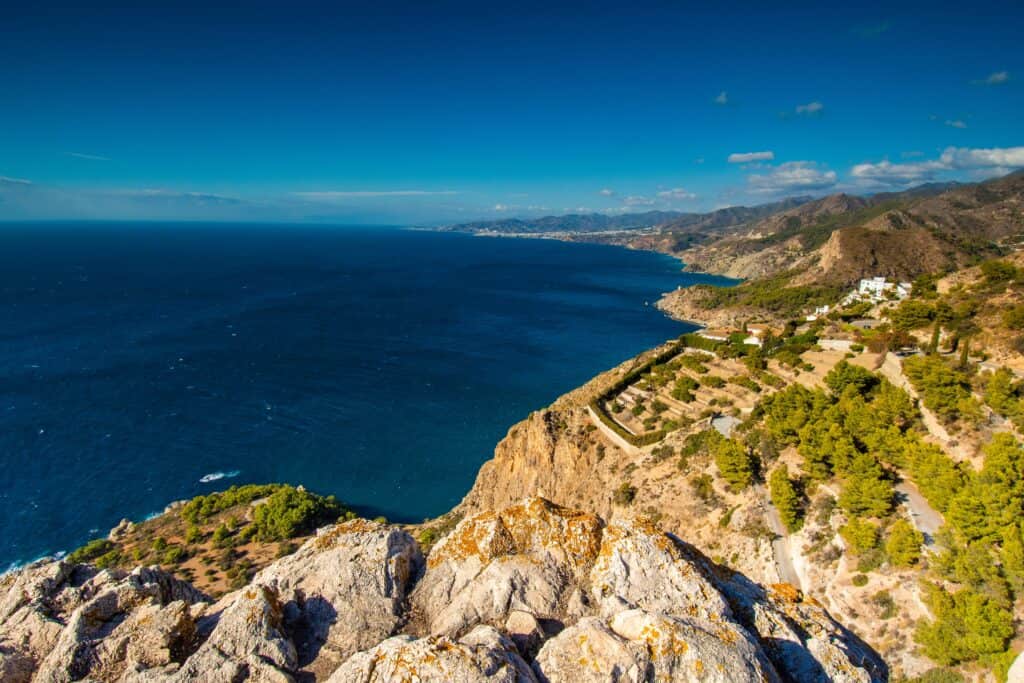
(792, 176)
(364, 194)
(747, 157)
(994, 78)
(722, 98)
(676, 194)
(89, 157)
(606, 192)
(981, 161)
(871, 30)
(956, 123)
(810, 109)
(14, 181)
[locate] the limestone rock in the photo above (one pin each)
(528, 557)
(247, 644)
(638, 566)
(482, 656)
(532, 592)
(590, 652)
(343, 591)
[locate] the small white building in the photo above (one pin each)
(878, 289)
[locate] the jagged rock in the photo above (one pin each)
(482, 656)
(638, 566)
(800, 637)
(534, 592)
(247, 644)
(343, 590)
(143, 615)
(119, 531)
(527, 557)
(524, 630)
(590, 652)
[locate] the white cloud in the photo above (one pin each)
(810, 109)
(722, 98)
(638, 200)
(887, 173)
(981, 162)
(14, 181)
(963, 157)
(363, 194)
(956, 123)
(747, 157)
(994, 78)
(676, 194)
(501, 207)
(792, 176)
(90, 157)
(606, 192)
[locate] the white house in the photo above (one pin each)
(878, 289)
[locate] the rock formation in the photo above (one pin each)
(533, 592)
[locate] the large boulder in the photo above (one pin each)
(530, 557)
(481, 656)
(344, 590)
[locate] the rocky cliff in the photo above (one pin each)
(531, 592)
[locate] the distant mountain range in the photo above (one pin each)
(601, 222)
(835, 239)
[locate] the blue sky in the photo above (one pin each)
(434, 112)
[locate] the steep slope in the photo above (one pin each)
(841, 238)
(531, 592)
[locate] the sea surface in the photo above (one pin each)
(377, 364)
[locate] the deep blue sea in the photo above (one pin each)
(377, 364)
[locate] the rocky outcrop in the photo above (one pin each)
(532, 592)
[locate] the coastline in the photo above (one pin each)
(663, 303)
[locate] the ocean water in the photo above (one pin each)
(146, 363)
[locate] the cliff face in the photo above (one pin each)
(532, 592)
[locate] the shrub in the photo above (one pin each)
(885, 604)
(735, 463)
(860, 535)
(785, 498)
(903, 544)
(966, 626)
(625, 494)
(290, 512)
(91, 550)
(174, 554)
(859, 580)
(703, 487)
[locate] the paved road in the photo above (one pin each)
(615, 438)
(924, 516)
(780, 547)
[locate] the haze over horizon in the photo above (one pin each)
(404, 113)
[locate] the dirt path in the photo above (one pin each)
(615, 438)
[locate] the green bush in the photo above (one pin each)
(903, 544)
(859, 580)
(290, 512)
(860, 535)
(966, 626)
(624, 495)
(91, 551)
(735, 463)
(785, 498)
